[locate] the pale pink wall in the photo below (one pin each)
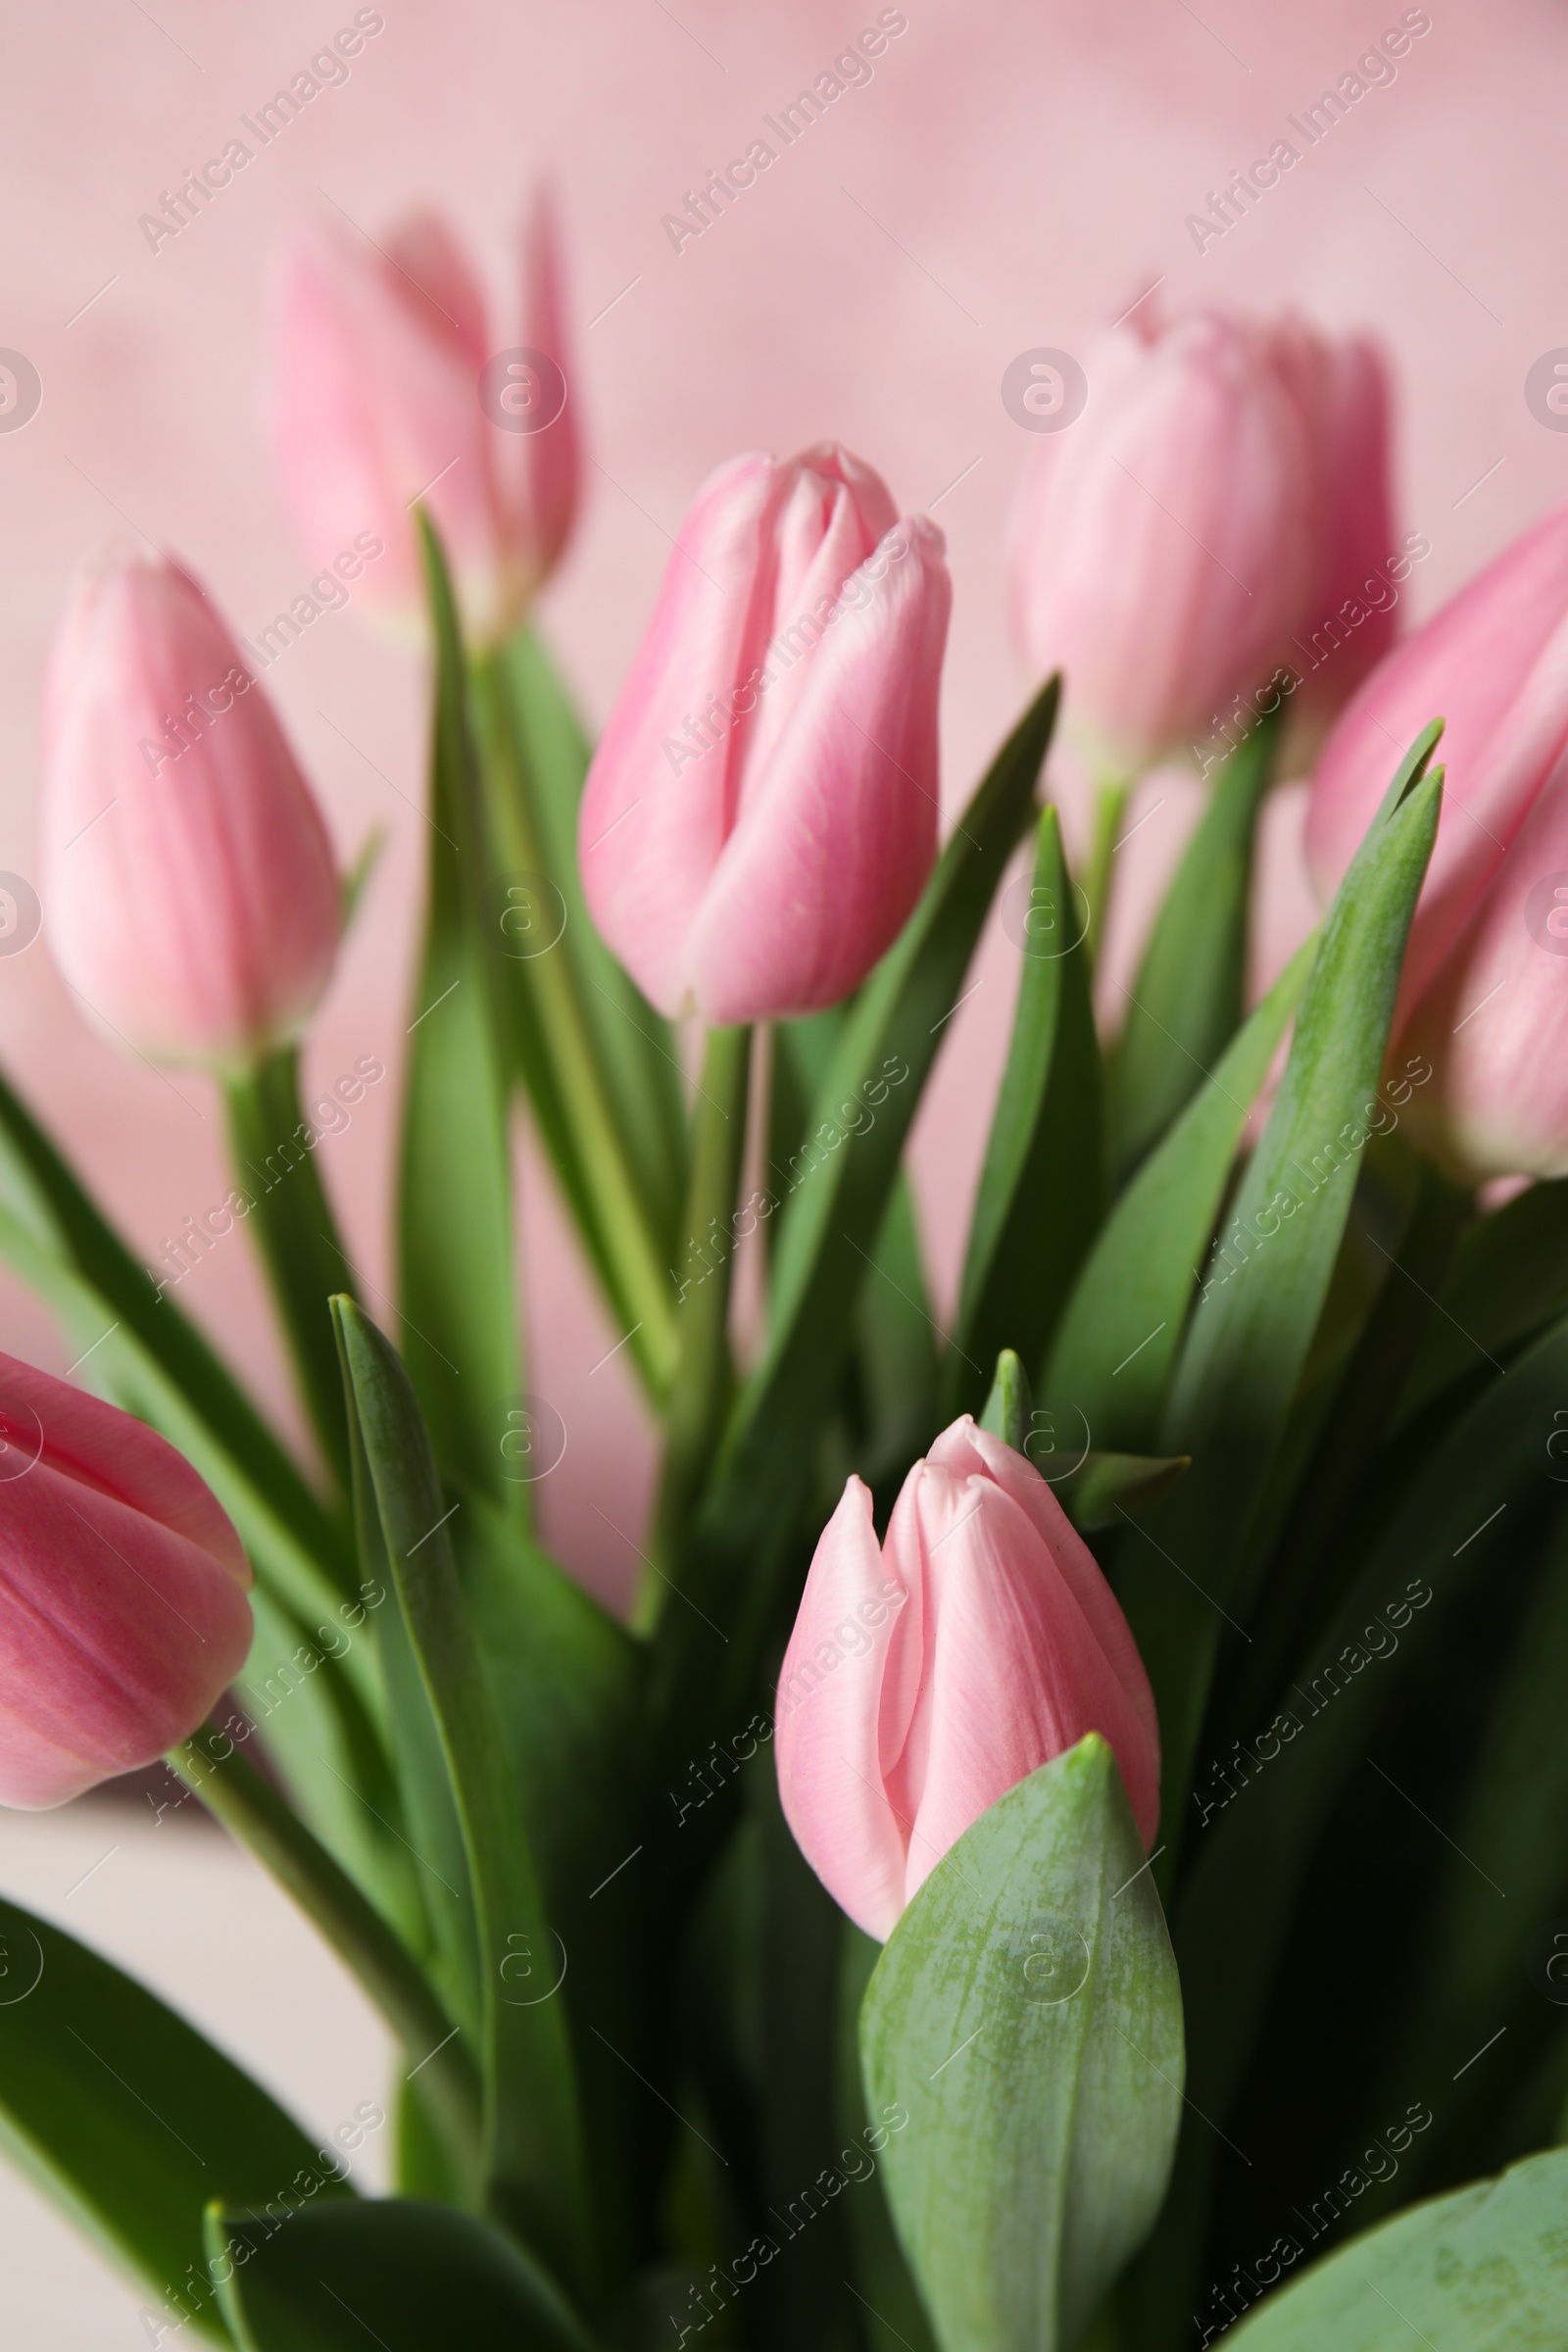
(1012, 176)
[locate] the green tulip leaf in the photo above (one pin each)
(1123, 1324)
(393, 2272)
(1483, 2270)
(1104, 1490)
(533, 2123)
(1022, 2045)
(455, 1228)
(1043, 1182)
(130, 2121)
(1253, 1327)
(1185, 1004)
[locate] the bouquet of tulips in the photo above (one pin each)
(1071, 1844)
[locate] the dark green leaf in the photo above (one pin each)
(1123, 1324)
(1186, 1003)
(893, 2314)
(1025, 2021)
(123, 2115)
(565, 1683)
(1509, 1277)
(1042, 1185)
(533, 2121)
(895, 1343)
(455, 1233)
(1100, 1490)
(1485, 2269)
(1254, 1828)
(408, 2277)
(1258, 1310)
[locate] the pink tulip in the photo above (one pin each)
(188, 882)
(381, 397)
(1494, 1024)
(761, 814)
(1166, 545)
(1494, 664)
(926, 1678)
(122, 1609)
(1349, 615)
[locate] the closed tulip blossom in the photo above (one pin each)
(382, 395)
(1165, 545)
(189, 887)
(122, 1609)
(1483, 995)
(761, 813)
(1349, 610)
(929, 1675)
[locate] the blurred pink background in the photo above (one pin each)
(1008, 177)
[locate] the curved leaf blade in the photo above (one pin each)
(1193, 967)
(128, 2117)
(534, 2134)
(1043, 1182)
(410, 2276)
(1253, 1327)
(1485, 2269)
(456, 1261)
(1025, 2019)
(1123, 1324)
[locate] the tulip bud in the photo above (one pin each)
(1347, 619)
(382, 396)
(925, 1678)
(122, 1609)
(1494, 664)
(1489, 1036)
(188, 882)
(761, 814)
(1165, 547)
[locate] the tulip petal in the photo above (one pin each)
(122, 1609)
(192, 896)
(965, 1449)
(550, 459)
(1166, 549)
(1494, 664)
(1014, 1673)
(1495, 1023)
(374, 404)
(658, 801)
(838, 833)
(826, 1739)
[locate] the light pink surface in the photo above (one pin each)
(1007, 179)
(928, 1675)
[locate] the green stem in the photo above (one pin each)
(700, 1396)
(234, 1791)
(629, 1234)
(1112, 795)
(294, 1229)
